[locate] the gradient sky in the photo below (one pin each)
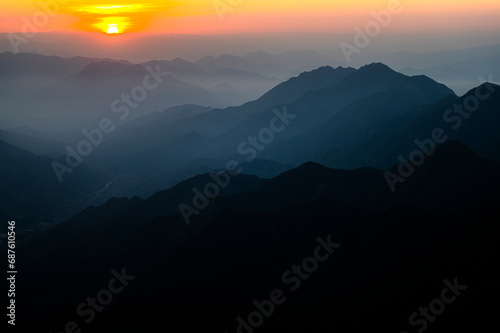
(200, 16)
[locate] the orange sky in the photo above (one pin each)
(201, 17)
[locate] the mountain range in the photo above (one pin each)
(391, 257)
(348, 197)
(329, 103)
(31, 194)
(91, 84)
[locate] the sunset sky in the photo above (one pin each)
(201, 17)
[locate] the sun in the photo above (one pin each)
(112, 28)
(115, 19)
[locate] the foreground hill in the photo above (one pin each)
(396, 249)
(31, 193)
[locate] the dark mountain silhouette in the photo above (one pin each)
(344, 210)
(381, 147)
(340, 113)
(258, 167)
(365, 187)
(296, 87)
(451, 179)
(121, 217)
(357, 121)
(264, 168)
(32, 194)
(393, 257)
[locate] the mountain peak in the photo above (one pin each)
(375, 73)
(311, 166)
(325, 71)
(260, 52)
(486, 86)
(452, 148)
(180, 61)
(297, 86)
(260, 57)
(376, 67)
(320, 70)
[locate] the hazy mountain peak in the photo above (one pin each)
(225, 60)
(205, 60)
(260, 52)
(227, 56)
(104, 68)
(180, 61)
(261, 57)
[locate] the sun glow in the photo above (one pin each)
(110, 9)
(112, 24)
(112, 29)
(114, 18)
(231, 16)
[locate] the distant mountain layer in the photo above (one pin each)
(89, 85)
(342, 118)
(334, 107)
